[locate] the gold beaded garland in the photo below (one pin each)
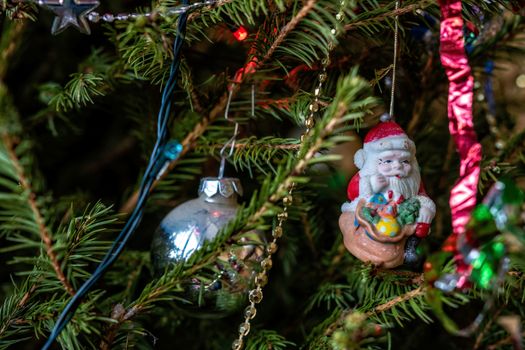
(272, 248)
(266, 263)
(277, 232)
(237, 344)
(250, 312)
(255, 296)
(261, 279)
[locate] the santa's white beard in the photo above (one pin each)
(407, 187)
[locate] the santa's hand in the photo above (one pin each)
(425, 215)
(378, 182)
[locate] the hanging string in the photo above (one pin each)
(163, 153)
(396, 44)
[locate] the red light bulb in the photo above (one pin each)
(240, 34)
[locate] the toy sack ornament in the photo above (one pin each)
(388, 210)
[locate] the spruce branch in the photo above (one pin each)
(351, 103)
(289, 27)
(11, 38)
(419, 291)
(485, 329)
(27, 295)
(29, 310)
(312, 37)
(247, 145)
(187, 144)
(216, 5)
(382, 14)
(348, 105)
(37, 215)
(190, 140)
(267, 340)
(119, 315)
(17, 314)
(509, 340)
(409, 277)
(98, 76)
(250, 153)
(11, 309)
(300, 167)
(397, 300)
(187, 82)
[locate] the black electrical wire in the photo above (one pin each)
(163, 151)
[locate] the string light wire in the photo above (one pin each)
(163, 152)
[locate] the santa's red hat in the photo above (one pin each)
(386, 135)
(384, 130)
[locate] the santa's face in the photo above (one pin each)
(394, 163)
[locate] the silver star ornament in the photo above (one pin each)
(70, 13)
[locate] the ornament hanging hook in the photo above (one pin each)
(232, 141)
(394, 66)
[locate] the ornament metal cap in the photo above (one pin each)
(386, 117)
(225, 187)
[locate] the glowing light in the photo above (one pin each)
(520, 81)
(240, 34)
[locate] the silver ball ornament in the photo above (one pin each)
(186, 228)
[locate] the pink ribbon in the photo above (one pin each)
(455, 61)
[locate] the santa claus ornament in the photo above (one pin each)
(388, 210)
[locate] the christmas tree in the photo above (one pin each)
(103, 135)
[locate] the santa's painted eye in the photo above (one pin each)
(388, 161)
(406, 162)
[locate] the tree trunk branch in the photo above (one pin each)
(45, 235)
